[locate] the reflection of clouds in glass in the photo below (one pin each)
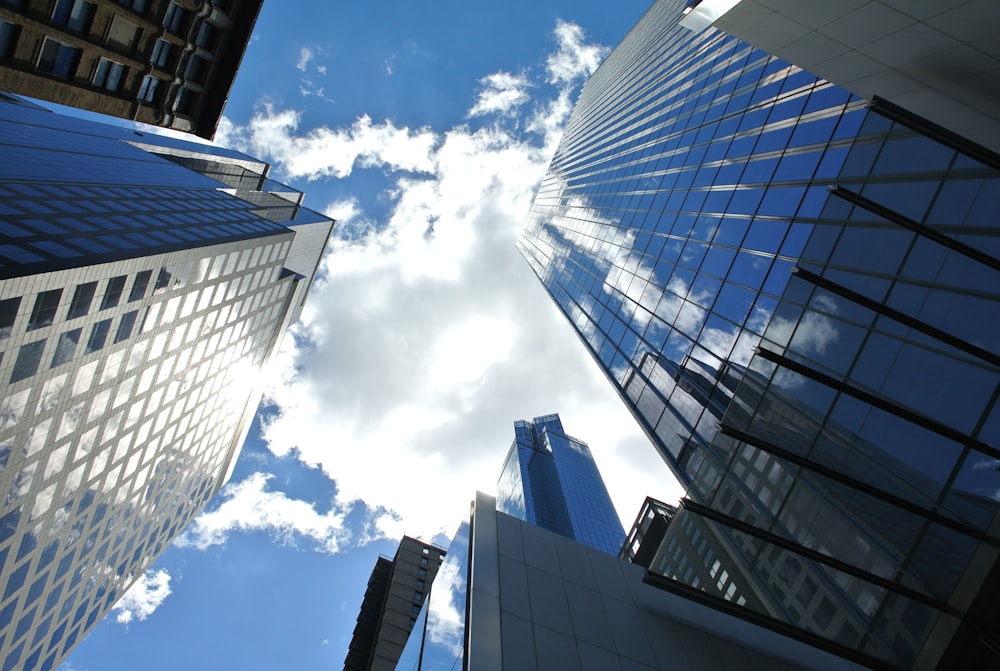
(444, 642)
(813, 333)
(986, 463)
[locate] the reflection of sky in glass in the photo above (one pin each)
(438, 638)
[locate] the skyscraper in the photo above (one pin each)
(795, 292)
(144, 282)
(396, 592)
(550, 479)
(167, 63)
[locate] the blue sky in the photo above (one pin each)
(424, 128)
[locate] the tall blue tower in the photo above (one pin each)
(550, 479)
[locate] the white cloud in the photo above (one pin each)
(428, 334)
(573, 57)
(144, 596)
(502, 93)
(249, 506)
(305, 55)
(323, 152)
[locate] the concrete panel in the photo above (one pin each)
(509, 537)
(514, 588)
(912, 43)
(540, 549)
(971, 21)
(590, 622)
(518, 643)
(866, 24)
(548, 601)
(608, 573)
(574, 563)
(626, 627)
(554, 650)
(812, 50)
(593, 658)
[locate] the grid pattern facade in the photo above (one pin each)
(164, 62)
(795, 291)
(126, 386)
(550, 479)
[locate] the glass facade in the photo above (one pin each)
(139, 300)
(796, 293)
(550, 479)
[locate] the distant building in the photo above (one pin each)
(168, 63)
(550, 479)
(514, 596)
(796, 292)
(396, 593)
(144, 282)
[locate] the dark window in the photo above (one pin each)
(126, 325)
(420, 583)
(76, 15)
(207, 36)
(415, 609)
(8, 313)
(174, 18)
(162, 52)
(58, 59)
(123, 34)
(187, 101)
(423, 571)
(423, 560)
(66, 347)
(113, 292)
(139, 286)
(98, 335)
(162, 281)
(148, 89)
(82, 298)
(28, 358)
(44, 312)
(109, 75)
(418, 596)
(135, 5)
(8, 39)
(197, 68)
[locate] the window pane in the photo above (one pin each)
(44, 312)
(82, 298)
(113, 292)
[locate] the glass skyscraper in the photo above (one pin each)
(144, 281)
(795, 291)
(550, 480)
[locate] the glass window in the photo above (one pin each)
(109, 75)
(139, 286)
(98, 335)
(113, 292)
(197, 68)
(123, 34)
(8, 313)
(162, 53)
(148, 89)
(174, 18)
(8, 39)
(28, 358)
(58, 59)
(418, 596)
(135, 5)
(82, 298)
(76, 15)
(44, 312)
(207, 36)
(126, 325)
(66, 346)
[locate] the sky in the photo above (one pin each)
(424, 129)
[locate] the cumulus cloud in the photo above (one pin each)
(573, 57)
(502, 92)
(274, 135)
(427, 334)
(305, 55)
(249, 506)
(143, 597)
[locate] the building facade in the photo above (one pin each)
(512, 595)
(168, 63)
(139, 299)
(795, 291)
(550, 479)
(397, 590)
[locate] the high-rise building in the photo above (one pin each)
(512, 595)
(395, 595)
(795, 291)
(167, 63)
(550, 479)
(144, 282)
